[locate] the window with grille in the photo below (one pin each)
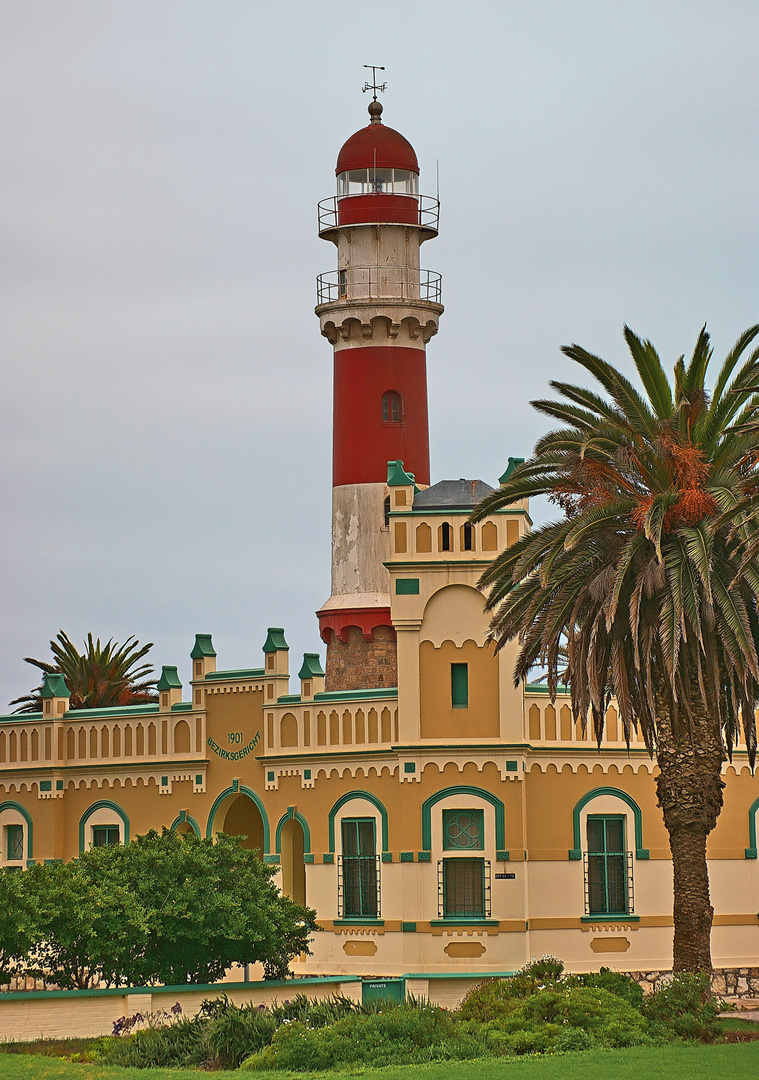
(14, 842)
(105, 835)
(358, 891)
(463, 830)
(460, 686)
(464, 888)
(608, 868)
(392, 407)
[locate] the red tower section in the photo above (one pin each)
(378, 309)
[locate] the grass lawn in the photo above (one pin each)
(636, 1063)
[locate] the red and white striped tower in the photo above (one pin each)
(378, 310)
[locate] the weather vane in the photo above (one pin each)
(374, 85)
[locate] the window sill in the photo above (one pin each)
(464, 920)
(351, 920)
(610, 918)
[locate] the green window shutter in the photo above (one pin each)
(460, 686)
(463, 830)
(14, 842)
(105, 835)
(463, 888)
(358, 877)
(607, 876)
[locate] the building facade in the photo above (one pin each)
(437, 818)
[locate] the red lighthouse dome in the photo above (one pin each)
(377, 176)
(377, 146)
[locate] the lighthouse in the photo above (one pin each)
(378, 310)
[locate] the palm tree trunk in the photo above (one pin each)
(689, 787)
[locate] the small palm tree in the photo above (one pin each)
(646, 589)
(102, 676)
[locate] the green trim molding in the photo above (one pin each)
(240, 789)
(183, 818)
(292, 815)
(751, 849)
(348, 797)
(480, 793)
(102, 804)
(575, 852)
(10, 805)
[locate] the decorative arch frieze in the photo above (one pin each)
(348, 797)
(292, 815)
(576, 851)
(240, 789)
(463, 789)
(751, 849)
(183, 818)
(9, 804)
(103, 804)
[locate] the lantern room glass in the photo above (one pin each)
(377, 182)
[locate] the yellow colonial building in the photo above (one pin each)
(437, 818)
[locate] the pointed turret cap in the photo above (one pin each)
(54, 685)
(169, 679)
(312, 666)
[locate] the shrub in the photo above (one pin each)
(179, 1043)
(235, 1033)
(409, 1033)
(565, 1018)
(616, 982)
(684, 1007)
(498, 997)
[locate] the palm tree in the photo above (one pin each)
(646, 588)
(102, 676)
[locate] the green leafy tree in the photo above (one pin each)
(645, 589)
(101, 676)
(164, 909)
(18, 923)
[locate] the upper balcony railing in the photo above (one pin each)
(421, 211)
(362, 283)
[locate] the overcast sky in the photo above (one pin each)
(165, 411)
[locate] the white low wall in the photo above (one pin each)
(61, 1014)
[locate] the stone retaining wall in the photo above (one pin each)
(726, 982)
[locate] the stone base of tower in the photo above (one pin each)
(357, 663)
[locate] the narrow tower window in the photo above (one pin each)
(460, 686)
(387, 511)
(445, 537)
(467, 537)
(392, 407)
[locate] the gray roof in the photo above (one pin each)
(452, 495)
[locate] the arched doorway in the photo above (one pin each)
(293, 866)
(243, 818)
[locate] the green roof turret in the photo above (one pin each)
(169, 679)
(312, 666)
(275, 639)
(397, 475)
(513, 463)
(54, 685)
(203, 647)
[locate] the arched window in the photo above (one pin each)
(392, 407)
(445, 537)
